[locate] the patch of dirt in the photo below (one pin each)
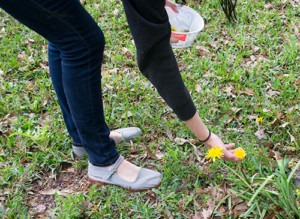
(68, 181)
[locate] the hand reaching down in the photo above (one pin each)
(229, 155)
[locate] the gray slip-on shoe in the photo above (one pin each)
(146, 179)
(128, 134)
(79, 151)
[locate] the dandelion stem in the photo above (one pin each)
(239, 176)
(242, 170)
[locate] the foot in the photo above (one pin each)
(125, 175)
(125, 134)
(119, 136)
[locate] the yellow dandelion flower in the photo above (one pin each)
(298, 192)
(259, 119)
(213, 153)
(240, 153)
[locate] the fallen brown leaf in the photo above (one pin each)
(198, 88)
(180, 141)
(260, 134)
(236, 130)
(150, 153)
(291, 137)
(248, 91)
(63, 192)
(284, 125)
(39, 209)
(203, 50)
(206, 214)
(275, 154)
(169, 133)
(276, 122)
(272, 93)
(197, 215)
(289, 150)
(236, 110)
(126, 115)
(268, 6)
(159, 155)
(240, 208)
(116, 11)
(21, 56)
(203, 191)
(169, 214)
(228, 91)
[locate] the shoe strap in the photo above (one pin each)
(114, 167)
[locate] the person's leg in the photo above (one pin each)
(151, 31)
(55, 65)
(81, 43)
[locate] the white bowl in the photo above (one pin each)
(186, 25)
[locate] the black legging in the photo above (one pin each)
(149, 25)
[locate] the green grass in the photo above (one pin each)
(251, 70)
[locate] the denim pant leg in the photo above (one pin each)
(81, 43)
(54, 59)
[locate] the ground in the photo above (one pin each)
(244, 80)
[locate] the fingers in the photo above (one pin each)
(228, 146)
(229, 154)
(172, 5)
(232, 158)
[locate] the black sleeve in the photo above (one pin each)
(150, 28)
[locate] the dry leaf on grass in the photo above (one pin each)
(63, 192)
(291, 137)
(260, 134)
(180, 141)
(126, 115)
(169, 214)
(284, 125)
(236, 110)
(116, 11)
(38, 209)
(202, 50)
(248, 91)
(275, 154)
(197, 215)
(159, 155)
(229, 91)
(198, 88)
(202, 191)
(169, 133)
(206, 214)
(272, 93)
(268, 6)
(240, 208)
(150, 153)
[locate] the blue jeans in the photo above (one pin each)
(76, 45)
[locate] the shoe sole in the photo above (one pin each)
(104, 183)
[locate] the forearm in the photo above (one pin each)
(196, 125)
